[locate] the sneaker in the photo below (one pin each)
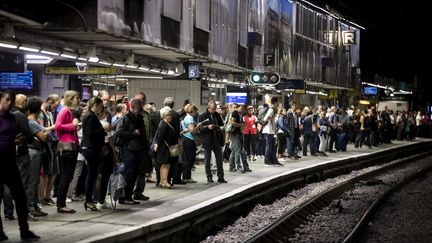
(297, 156)
(3, 236)
(68, 200)
(210, 180)
(190, 181)
(222, 180)
(41, 213)
(29, 236)
(30, 217)
(253, 158)
(128, 202)
(141, 197)
(278, 164)
(77, 199)
(268, 164)
(240, 170)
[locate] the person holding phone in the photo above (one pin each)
(210, 140)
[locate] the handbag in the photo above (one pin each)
(66, 149)
(174, 150)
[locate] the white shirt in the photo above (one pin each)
(269, 128)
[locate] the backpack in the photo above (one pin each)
(261, 114)
(366, 122)
(228, 124)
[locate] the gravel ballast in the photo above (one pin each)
(328, 225)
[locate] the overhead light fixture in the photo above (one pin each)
(131, 66)
(82, 59)
(171, 72)
(139, 76)
(37, 59)
(8, 45)
(119, 65)
(93, 59)
(50, 53)
(40, 57)
(70, 56)
(30, 49)
(155, 70)
(144, 68)
(81, 64)
(105, 63)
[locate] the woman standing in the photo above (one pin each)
(164, 139)
(67, 126)
(250, 133)
(91, 146)
(189, 128)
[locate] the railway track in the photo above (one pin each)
(285, 227)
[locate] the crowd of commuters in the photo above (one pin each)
(49, 145)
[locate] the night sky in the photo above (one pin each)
(394, 41)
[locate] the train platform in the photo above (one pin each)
(171, 205)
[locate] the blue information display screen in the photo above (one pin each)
(16, 80)
(193, 71)
(369, 90)
(238, 98)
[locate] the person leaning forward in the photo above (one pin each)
(211, 125)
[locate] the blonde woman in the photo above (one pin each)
(67, 126)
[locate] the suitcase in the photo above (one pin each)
(341, 141)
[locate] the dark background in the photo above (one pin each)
(394, 43)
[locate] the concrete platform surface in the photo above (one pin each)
(166, 204)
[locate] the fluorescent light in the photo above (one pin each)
(119, 65)
(24, 48)
(224, 80)
(82, 59)
(93, 59)
(81, 64)
(8, 45)
(68, 56)
(131, 66)
(144, 68)
(155, 70)
(50, 53)
(171, 72)
(39, 61)
(105, 63)
(139, 76)
(40, 57)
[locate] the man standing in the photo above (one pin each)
(132, 131)
(212, 123)
(145, 166)
(9, 174)
(269, 132)
(237, 141)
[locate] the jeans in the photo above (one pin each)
(236, 148)
(290, 145)
(8, 201)
(270, 149)
(35, 167)
(131, 160)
